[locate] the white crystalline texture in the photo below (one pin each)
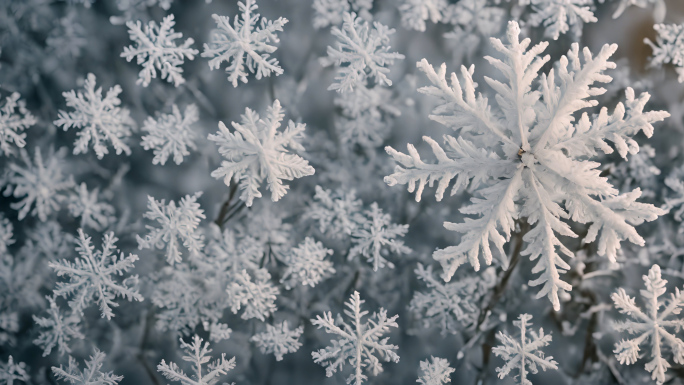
(668, 47)
(278, 340)
(560, 16)
(14, 119)
(437, 372)
(197, 355)
(171, 134)
(91, 375)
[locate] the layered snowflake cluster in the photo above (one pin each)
(278, 340)
(528, 158)
(14, 119)
(668, 47)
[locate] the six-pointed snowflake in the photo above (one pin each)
(376, 236)
(197, 355)
(58, 329)
(171, 134)
(279, 340)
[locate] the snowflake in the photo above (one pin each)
(366, 116)
(659, 9)
(330, 12)
(524, 354)
(437, 372)
(177, 224)
(91, 275)
(178, 299)
(361, 52)
(100, 120)
(257, 297)
(529, 157)
(256, 151)
(198, 356)
(278, 340)
(358, 342)
(6, 234)
(217, 331)
(157, 50)
(558, 16)
(92, 375)
(414, 13)
(306, 264)
(375, 235)
(39, 183)
(338, 213)
(14, 119)
(171, 134)
(669, 47)
(651, 325)
(11, 371)
(246, 44)
(60, 329)
(94, 214)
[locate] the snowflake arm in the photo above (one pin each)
(85, 204)
(59, 329)
(197, 355)
(256, 150)
(245, 44)
(361, 52)
(652, 325)
(357, 342)
(306, 264)
(437, 372)
(524, 353)
(278, 340)
(377, 235)
(171, 134)
(156, 50)
(11, 371)
(559, 16)
(257, 296)
(176, 225)
(14, 119)
(91, 275)
(91, 375)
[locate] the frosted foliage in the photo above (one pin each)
(57, 329)
(362, 51)
(99, 120)
(658, 324)
(361, 343)
(91, 375)
(257, 150)
(176, 225)
(560, 16)
(414, 13)
(668, 47)
(257, 296)
(93, 213)
(245, 46)
(40, 185)
(156, 50)
(13, 371)
(92, 276)
(278, 340)
(659, 8)
(171, 134)
(306, 264)
(197, 355)
(526, 157)
(523, 353)
(376, 237)
(14, 119)
(437, 372)
(338, 213)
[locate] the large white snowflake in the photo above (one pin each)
(99, 119)
(246, 46)
(156, 50)
(358, 343)
(306, 264)
(651, 325)
(529, 158)
(14, 119)
(256, 150)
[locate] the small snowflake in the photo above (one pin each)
(306, 264)
(558, 16)
(669, 47)
(651, 325)
(92, 375)
(376, 236)
(11, 371)
(171, 134)
(414, 13)
(246, 44)
(278, 340)
(197, 354)
(156, 50)
(437, 372)
(338, 213)
(58, 329)
(85, 204)
(100, 120)
(257, 297)
(14, 119)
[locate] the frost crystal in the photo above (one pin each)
(91, 276)
(669, 47)
(14, 119)
(59, 330)
(361, 52)
(92, 374)
(257, 151)
(329, 12)
(376, 236)
(257, 297)
(558, 16)
(437, 372)
(197, 355)
(659, 9)
(529, 157)
(93, 213)
(40, 185)
(414, 13)
(156, 50)
(176, 225)
(11, 371)
(246, 44)
(358, 343)
(651, 325)
(171, 134)
(366, 116)
(338, 213)
(278, 340)
(100, 120)
(523, 353)
(306, 264)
